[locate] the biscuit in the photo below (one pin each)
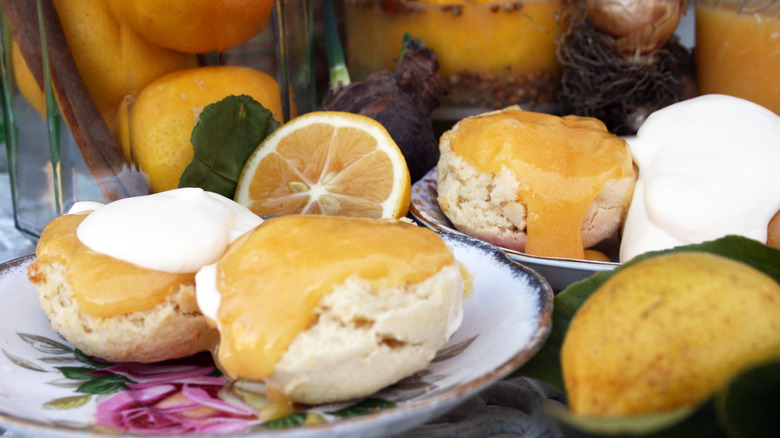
(173, 328)
(486, 205)
(363, 340)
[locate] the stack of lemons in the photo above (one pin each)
(139, 63)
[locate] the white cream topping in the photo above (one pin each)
(206, 292)
(176, 231)
(708, 167)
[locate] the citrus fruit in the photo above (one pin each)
(327, 162)
(195, 26)
(26, 82)
(111, 57)
(667, 332)
(162, 117)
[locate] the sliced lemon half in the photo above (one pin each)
(327, 162)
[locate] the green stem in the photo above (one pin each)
(339, 74)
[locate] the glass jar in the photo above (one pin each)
(73, 73)
(491, 53)
(738, 49)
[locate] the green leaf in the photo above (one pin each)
(104, 385)
(294, 420)
(71, 402)
(699, 422)
(365, 407)
(77, 373)
(225, 135)
(44, 344)
(84, 358)
(748, 405)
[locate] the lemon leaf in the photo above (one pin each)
(225, 135)
(365, 407)
(680, 423)
(747, 406)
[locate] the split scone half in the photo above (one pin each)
(328, 308)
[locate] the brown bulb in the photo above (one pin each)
(638, 26)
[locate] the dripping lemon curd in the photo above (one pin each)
(270, 281)
(561, 163)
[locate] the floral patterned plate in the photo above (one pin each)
(49, 388)
(559, 272)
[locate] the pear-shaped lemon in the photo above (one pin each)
(667, 332)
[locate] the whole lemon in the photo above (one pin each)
(26, 82)
(111, 57)
(195, 26)
(162, 117)
(667, 332)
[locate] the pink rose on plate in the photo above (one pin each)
(170, 399)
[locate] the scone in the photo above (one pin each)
(105, 302)
(533, 182)
(326, 308)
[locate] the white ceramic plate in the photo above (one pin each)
(559, 272)
(506, 321)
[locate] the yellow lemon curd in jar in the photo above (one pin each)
(271, 279)
(103, 285)
(738, 51)
(562, 164)
(505, 50)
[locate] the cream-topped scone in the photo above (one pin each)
(329, 308)
(118, 280)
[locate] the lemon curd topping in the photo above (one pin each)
(561, 163)
(272, 279)
(103, 285)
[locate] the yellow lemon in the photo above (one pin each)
(327, 162)
(667, 332)
(111, 57)
(162, 117)
(195, 26)
(26, 82)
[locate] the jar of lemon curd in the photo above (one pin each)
(738, 49)
(491, 53)
(100, 96)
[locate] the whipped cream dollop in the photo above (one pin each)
(708, 167)
(207, 294)
(177, 231)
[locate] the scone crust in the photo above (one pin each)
(485, 205)
(363, 340)
(171, 329)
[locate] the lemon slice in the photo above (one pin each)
(327, 162)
